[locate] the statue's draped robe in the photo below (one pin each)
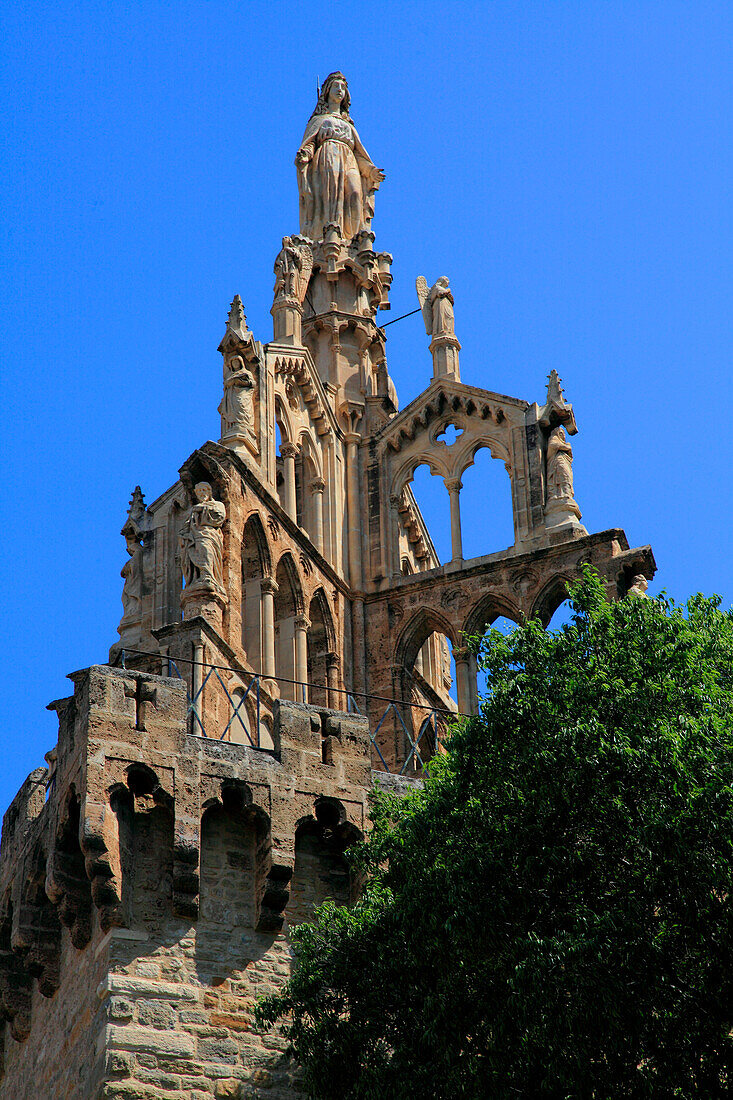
(202, 544)
(337, 184)
(559, 469)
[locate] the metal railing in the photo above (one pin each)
(415, 759)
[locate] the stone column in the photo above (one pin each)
(336, 700)
(473, 682)
(394, 537)
(288, 452)
(352, 499)
(463, 679)
(317, 487)
(454, 486)
(197, 679)
(268, 588)
(301, 658)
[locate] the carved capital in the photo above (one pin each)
(289, 450)
(453, 484)
(269, 585)
(302, 622)
(317, 485)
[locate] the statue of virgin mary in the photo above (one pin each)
(336, 177)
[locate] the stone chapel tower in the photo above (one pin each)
(284, 639)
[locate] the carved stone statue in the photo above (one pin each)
(638, 587)
(336, 177)
(437, 306)
(559, 466)
(132, 570)
(237, 404)
(293, 268)
(201, 541)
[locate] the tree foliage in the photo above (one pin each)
(550, 916)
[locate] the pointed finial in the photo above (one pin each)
(554, 389)
(137, 504)
(236, 319)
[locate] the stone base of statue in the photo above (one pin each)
(201, 599)
(240, 442)
(445, 350)
(287, 314)
(564, 514)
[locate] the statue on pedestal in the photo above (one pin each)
(561, 507)
(202, 543)
(293, 268)
(336, 177)
(132, 570)
(559, 466)
(436, 304)
(237, 405)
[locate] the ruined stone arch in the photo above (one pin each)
(415, 633)
(486, 611)
(549, 599)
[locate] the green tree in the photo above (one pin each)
(550, 916)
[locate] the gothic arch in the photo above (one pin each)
(256, 557)
(310, 450)
(283, 420)
(321, 648)
(256, 567)
(289, 627)
(287, 573)
(486, 611)
(423, 623)
(547, 602)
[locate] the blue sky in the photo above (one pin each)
(568, 165)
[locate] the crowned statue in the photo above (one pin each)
(336, 177)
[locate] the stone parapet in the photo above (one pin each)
(148, 880)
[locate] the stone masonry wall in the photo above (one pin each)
(145, 904)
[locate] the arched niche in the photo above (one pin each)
(321, 870)
(256, 565)
(283, 435)
(67, 883)
(310, 488)
(289, 607)
(145, 830)
(234, 836)
(321, 649)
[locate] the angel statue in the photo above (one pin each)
(336, 177)
(437, 306)
(293, 268)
